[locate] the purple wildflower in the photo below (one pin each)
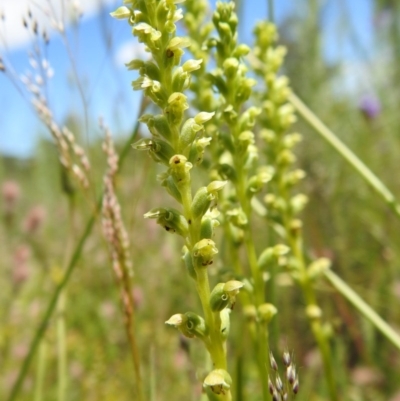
(370, 106)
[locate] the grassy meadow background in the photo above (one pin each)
(357, 95)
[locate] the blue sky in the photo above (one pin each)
(101, 44)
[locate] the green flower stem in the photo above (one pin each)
(346, 153)
(164, 80)
(363, 307)
(215, 346)
(248, 237)
(54, 299)
(260, 336)
(295, 242)
(294, 238)
(259, 290)
(214, 342)
(194, 230)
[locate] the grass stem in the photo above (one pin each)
(344, 289)
(346, 153)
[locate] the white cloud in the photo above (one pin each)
(47, 13)
(129, 51)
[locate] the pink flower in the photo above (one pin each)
(34, 219)
(11, 192)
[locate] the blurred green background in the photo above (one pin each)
(344, 221)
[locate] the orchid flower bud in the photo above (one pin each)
(224, 294)
(180, 80)
(266, 312)
(160, 151)
(169, 184)
(218, 381)
(197, 150)
(271, 255)
(121, 13)
(230, 67)
(177, 104)
(192, 65)
(219, 299)
(187, 258)
(158, 125)
(188, 133)
(208, 223)
(318, 267)
(298, 202)
(203, 253)
(189, 324)
(237, 217)
(313, 312)
(257, 182)
(203, 117)
(241, 51)
(169, 218)
(179, 169)
(146, 34)
(204, 196)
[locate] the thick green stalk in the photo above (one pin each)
(346, 153)
(54, 299)
(344, 289)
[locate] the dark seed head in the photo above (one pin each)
(272, 361)
(279, 384)
(286, 358)
(270, 386)
(295, 387)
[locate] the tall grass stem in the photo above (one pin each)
(346, 153)
(344, 289)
